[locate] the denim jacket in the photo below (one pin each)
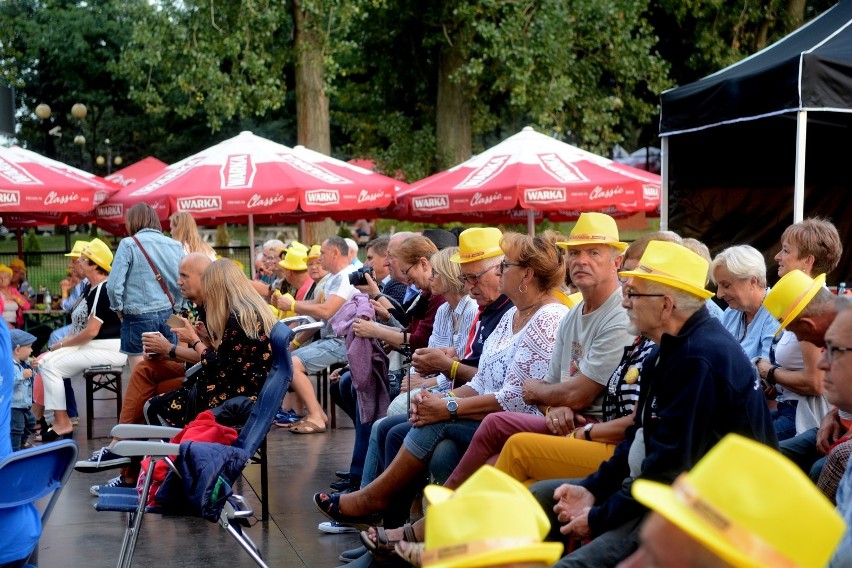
(132, 287)
(22, 396)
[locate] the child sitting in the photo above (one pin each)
(23, 420)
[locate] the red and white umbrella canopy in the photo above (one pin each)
(250, 175)
(143, 168)
(35, 185)
(536, 172)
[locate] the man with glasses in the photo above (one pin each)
(698, 387)
(836, 361)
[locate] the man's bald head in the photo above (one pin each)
(189, 276)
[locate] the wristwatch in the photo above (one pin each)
(587, 431)
(453, 407)
(172, 351)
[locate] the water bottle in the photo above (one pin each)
(47, 300)
(841, 288)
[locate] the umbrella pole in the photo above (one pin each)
(303, 231)
(251, 246)
(531, 222)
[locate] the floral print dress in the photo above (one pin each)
(239, 367)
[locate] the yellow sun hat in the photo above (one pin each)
(18, 263)
(98, 252)
(314, 252)
(77, 249)
(750, 506)
(790, 295)
(566, 299)
(490, 519)
(295, 259)
(298, 246)
(478, 244)
(5, 268)
(594, 229)
(674, 265)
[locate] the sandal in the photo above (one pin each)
(307, 427)
(410, 551)
(383, 547)
(329, 505)
(51, 435)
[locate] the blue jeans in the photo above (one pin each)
(134, 325)
(802, 451)
(421, 442)
(70, 399)
(344, 394)
(22, 425)
(374, 462)
(784, 419)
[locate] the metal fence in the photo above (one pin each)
(49, 268)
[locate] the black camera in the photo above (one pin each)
(357, 278)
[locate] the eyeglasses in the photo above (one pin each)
(405, 272)
(631, 294)
(504, 265)
(831, 348)
(473, 279)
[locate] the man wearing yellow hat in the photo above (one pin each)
(699, 388)
(592, 337)
(804, 306)
(765, 514)
(19, 279)
(72, 289)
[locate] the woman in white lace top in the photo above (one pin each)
(519, 348)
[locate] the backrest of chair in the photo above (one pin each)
(272, 393)
(29, 475)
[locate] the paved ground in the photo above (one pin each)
(77, 536)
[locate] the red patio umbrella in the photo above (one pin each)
(143, 168)
(249, 175)
(533, 172)
(37, 190)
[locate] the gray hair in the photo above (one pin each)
(274, 244)
(743, 262)
(686, 303)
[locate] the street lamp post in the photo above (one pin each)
(45, 113)
(108, 161)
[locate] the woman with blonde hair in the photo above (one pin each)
(185, 231)
(233, 341)
(12, 303)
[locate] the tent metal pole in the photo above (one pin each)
(801, 150)
(664, 184)
(531, 222)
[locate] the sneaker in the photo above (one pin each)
(286, 417)
(114, 482)
(101, 459)
(333, 527)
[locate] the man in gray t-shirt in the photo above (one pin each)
(592, 337)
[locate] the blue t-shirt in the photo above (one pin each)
(756, 337)
(21, 526)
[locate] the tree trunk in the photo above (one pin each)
(312, 120)
(453, 128)
(795, 13)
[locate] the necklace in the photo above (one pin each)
(530, 311)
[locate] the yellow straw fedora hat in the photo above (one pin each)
(99, 253)
(314, 252)
(298, 246)
(750, 506)
(490, 519)
(594, 229)
(77, 249)
(674, 265)
(478, 244)
(790, 295)
(295, 259)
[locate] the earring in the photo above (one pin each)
(522, 288)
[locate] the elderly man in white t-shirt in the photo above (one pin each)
(329, 349)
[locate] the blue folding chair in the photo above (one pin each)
(29, 475)
(236, 512)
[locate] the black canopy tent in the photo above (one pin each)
(736, 143)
